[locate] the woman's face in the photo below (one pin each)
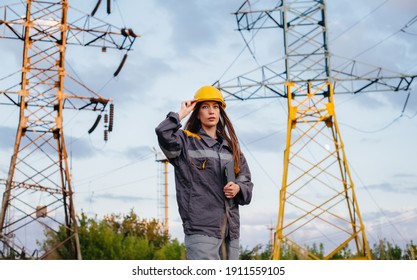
(209, 114)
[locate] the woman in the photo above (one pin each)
(208, 202)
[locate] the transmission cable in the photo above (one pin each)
(372, 131)
(107, 172)
(387, 125)
(259, 164)
(377, 205)
(120, 13)
(360, 20)
(243, 49)
(408, 24)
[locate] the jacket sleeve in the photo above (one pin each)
(168, 133)
(244, 180)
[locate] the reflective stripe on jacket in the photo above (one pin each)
(199, 162)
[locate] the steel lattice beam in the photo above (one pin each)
(38, 192)
(314, 155)
(306, 58)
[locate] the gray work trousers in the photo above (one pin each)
(201, 247)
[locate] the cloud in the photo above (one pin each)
(185, 43)
(138, 152)
(394, 225)
(78, 148)
(133, 84)
(196, 24)
(123, 198)
(393, 188)
(138, 79)
(264, 141)
(7, 137)
(405, 176)
(349, 37)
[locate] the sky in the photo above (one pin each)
(186, 44)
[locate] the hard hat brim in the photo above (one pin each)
(213, 99)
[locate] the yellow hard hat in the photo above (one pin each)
(209, 93)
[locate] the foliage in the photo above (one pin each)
(118, 238)
(254, 254)
(384, 250)
(410, 252)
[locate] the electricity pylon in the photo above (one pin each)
(317, 199)
(38, 192)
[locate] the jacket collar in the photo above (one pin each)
(210, 142)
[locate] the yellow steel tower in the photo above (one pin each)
(317, 201)
(317, 188)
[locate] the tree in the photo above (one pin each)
(127, 237)
(384, 250)
(118, 237)
(410, 251)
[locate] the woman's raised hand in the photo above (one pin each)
(186, 108)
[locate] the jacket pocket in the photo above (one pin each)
(199, 163)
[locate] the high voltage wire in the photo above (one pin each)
(243, 49)
(389, 222)
(360, 20)
(387, 125)
(408, 24)
(120, 184)
(84, 181)
(272, 180)
(377, 205)
(373, 131)
(412, 21)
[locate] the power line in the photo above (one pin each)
(408, 24)
(387, 125)
(243, 49)
(377, 205)
(273, 181)
(372, 131)
(119, 185)
(362, 19)
(84, 181)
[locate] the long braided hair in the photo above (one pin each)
(224, 129)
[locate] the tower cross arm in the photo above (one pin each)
(96, 33)
(248, 19)
(244, 89)
(81, 29)
(351, 77)
(379, 83)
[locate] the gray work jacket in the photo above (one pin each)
(199, 162)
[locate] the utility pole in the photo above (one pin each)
(317, 200)
(163, 165)
(166, 217)
(39, 193)
(271, 230)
